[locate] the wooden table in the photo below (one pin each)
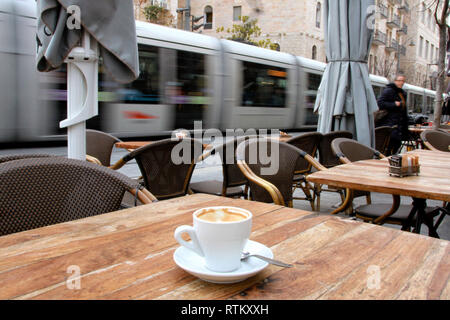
(132, 145)
(421, 129)
(373, 176)
(128, 255)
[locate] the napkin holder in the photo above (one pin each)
(404, 165)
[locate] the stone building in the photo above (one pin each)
(420, 62)
(296, 26)
(405, 36)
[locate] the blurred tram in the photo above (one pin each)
(184, 77)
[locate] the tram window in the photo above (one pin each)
(377, 91)
(264, 86)
(314, 81)
(191, 76)
(430, 105)
(187, 85)
(311, 118)
(144, 90)
(416, 103)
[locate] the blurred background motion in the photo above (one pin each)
(184, 77)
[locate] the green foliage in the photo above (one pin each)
(151, 12)
(246, 32)
(157, 14)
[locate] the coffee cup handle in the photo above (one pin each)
(194, 245)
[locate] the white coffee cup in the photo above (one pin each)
(218, 238)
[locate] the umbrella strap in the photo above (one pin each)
(347, 60)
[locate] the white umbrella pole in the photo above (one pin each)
(82, 91)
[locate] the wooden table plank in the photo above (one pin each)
(132, 145)
(373, 175)
(421, 129)
(128, 254)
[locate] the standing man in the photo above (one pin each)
(393, 99)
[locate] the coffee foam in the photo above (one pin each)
(221, 215)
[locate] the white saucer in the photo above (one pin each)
(195, 264)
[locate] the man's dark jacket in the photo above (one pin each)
(397, 115)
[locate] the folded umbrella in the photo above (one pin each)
(104, 28)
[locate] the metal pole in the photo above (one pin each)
(82, 90)
(187, 16)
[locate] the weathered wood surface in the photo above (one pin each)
(373, 175)
(132, 145)
(128, 255)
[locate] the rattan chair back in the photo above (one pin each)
(100, 145)
(284, 154)
(167, 165)
(326, 156)
(349, 150)
(232, 175)
(12, 157)
(308, 142)
(436, 140)
(382, 138)
(37, 192)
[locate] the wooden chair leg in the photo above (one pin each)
(318, 191)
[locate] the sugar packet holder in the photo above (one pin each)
(404, 165)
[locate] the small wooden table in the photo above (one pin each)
(421, 129)
(128, 254)
(373, 176)
(132, 145)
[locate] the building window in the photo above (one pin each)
(237, 13)
(375, 65)
(421, 47)
(209, 17)
(314, 53)
(432, 53)
(427, 43)
(423, 10)
(430, 16)
(318, 14)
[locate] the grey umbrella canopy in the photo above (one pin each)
(76, 32)
(110, 22)
(345, 99)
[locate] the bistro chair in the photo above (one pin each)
(36, 192)
(166, 165)
(99, 146)
(234, 183)
(348, 151)
(328, 159)
(382, 138)
(12, 157)
(264, 187)
(436, 140)
(308, 142)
